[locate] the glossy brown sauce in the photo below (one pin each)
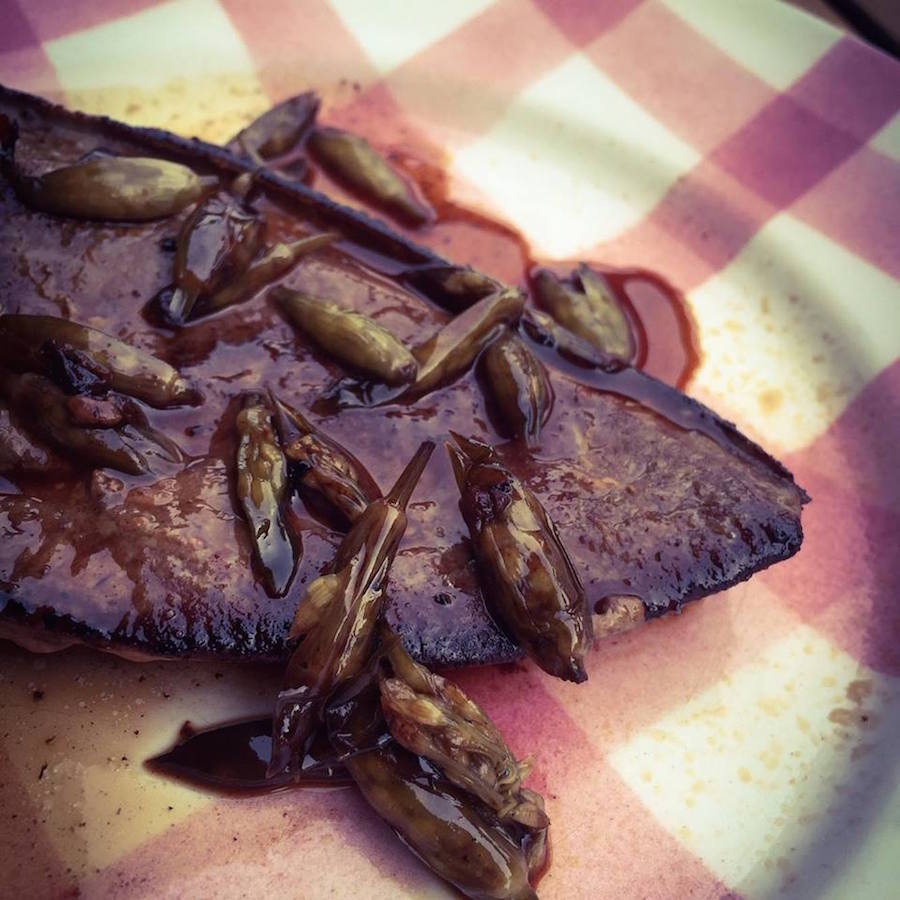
(232, 758)
(661, 323)
(664, 333)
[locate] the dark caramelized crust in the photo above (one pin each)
(656, 499)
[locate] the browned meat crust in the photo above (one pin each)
(666, 505)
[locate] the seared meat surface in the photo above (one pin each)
(653, 496)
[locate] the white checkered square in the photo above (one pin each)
(775, 41)
(769, 775)
(574, 160)
(887, 140)
(393, 31)
(792, 329)
(180, 65)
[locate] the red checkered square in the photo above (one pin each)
(28, 69)
(807, 132)
(864, 441)
(464, 82)
(309, 844)
(858, 205)
(52, 19)
(668, 68)
(784, 151)
(695, 230)
(23, 63)
(299, 45)
(582, 20)
(651, 246)
(373, 112)
(17, 32)
(853, 87)
(712, 213)
(844, 582)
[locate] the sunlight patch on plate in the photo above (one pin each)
(773, 40)
(196, 37)
(767, 772)
(179, 65)
(88, 721)
(571, 174)
(792, 329)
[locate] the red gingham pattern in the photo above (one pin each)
(466, 80)
(51, 20)
(858, 205)
(804, 150)
(667, 67)
(845, 581)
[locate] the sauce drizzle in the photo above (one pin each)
(666, 338)
(232, 758)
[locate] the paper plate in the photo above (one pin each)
(749, 153)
